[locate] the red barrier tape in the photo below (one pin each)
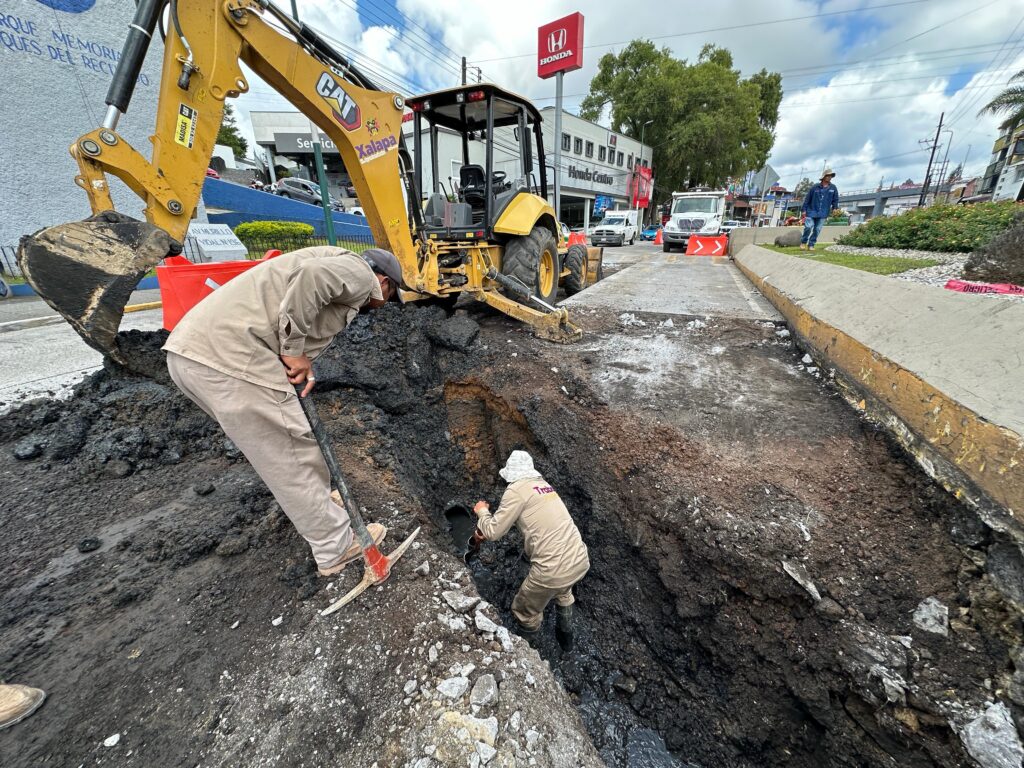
(964, 287)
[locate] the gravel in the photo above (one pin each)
(950, 268)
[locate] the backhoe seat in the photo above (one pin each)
(472, 183)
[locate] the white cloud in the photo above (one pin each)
(849, 99)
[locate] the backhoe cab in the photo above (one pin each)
(497, 196)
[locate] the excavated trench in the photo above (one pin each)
(693, 645)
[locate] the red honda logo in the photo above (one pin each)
(556, 40)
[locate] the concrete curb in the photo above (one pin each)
(942, 372)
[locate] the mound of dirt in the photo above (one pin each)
(757, 554)
(1001, 260)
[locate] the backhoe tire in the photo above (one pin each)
(576, 263)
(533, 260)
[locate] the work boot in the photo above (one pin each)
(355, 550)
(18, 702)
(564, 633)
(803, 246)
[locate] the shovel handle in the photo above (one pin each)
(337, 478)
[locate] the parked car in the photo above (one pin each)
(730, 225)
(350, 190)
(357, 211)
(650, 232)
(299, 189)
(212, 173)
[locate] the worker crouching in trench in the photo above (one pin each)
(552, 543)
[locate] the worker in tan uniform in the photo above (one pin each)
(18, 702)
(240, 353)
(552, 542)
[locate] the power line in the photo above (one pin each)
(954, 118)
(732, 26)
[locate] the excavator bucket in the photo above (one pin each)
(87, 270)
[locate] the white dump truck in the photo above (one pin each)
(616, 228)
(698, 212)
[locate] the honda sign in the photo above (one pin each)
(560, 46)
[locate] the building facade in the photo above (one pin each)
(58, 58)
(1009, 185)
(596, 166)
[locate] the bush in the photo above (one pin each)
(962, 228)
(1001, 260)
(272, 230)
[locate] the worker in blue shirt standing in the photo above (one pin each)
(822, 199)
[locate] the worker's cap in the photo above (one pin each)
(828, 172)
(518, 467)
(384, 263)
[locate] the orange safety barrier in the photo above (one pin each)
(658, 239)
(577, 238)
(717, 245)
(184, 284)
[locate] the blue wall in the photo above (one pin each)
(239, 204)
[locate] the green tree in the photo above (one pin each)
(803, 188)
(1009, 102)
(709, 124)
(228, 134)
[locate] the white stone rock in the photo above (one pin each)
(806, 359)
(992, 740)
(782, 333)
(453, 687)
(432, 655)
(454, 623)
(485, 691)
(484, 624)
(111, 741)
(515, 721)
(532, 737)
(277, 622)
(459, 602)
(423, 569)
(505, 638)
(931, 615)
(410, 687)
(486, 752)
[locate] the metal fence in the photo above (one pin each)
(9, 261)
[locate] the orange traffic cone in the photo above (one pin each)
(657, 238)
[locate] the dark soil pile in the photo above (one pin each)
(1001, 260)
(695, 644)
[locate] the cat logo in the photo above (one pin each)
(372, 127)
(345, 110)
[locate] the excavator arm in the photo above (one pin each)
(87, 270)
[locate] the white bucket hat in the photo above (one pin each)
(518, 467)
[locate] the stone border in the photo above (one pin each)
(977, 459)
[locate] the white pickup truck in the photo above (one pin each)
(693, 213)
(616, 228)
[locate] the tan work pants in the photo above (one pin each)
(533, 597)
(270, 428)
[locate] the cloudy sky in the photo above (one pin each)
(864, 80)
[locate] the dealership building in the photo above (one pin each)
(597, 165)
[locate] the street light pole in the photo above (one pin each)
(636, 171)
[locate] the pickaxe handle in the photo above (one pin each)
(338, 479)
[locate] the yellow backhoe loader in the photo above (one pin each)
(492, 235)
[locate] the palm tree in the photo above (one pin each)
(1010, 100)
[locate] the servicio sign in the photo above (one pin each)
(560, 46)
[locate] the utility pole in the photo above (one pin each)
(558, 144)
(463, 70)
(931, 159)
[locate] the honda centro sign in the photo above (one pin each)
(560, 46)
